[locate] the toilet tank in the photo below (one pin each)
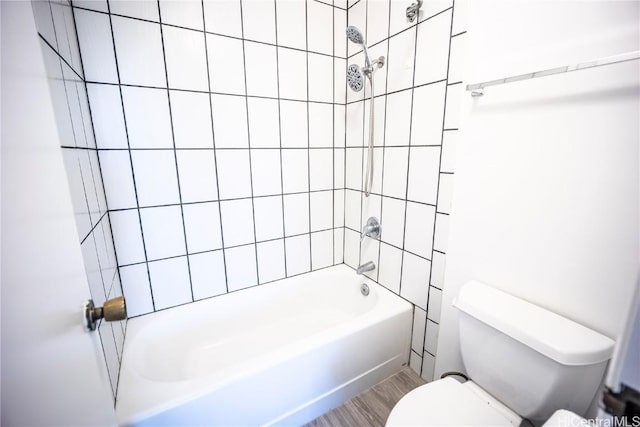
(531, 359)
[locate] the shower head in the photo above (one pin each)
(354, 34)
(354, 78)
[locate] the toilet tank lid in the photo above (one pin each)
(556, 337)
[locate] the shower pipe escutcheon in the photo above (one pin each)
(414, 10)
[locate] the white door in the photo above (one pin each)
(53, 372)
(624, 369)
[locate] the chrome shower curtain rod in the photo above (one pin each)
(477, 89)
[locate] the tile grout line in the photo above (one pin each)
(384, 121)
(401, 90)
(396, 247)
(83, 239)
(239, 95)
(213, 142)
(246, 101)
(133, 176)
(58, 53)
(175, 153)
(106, 213)
(435, 219)
(284, 240)
(254, 148)
(424, 342)
(344, 160)
(406, 195)
(201, 148)
(333, 138)
(229, 247)
(306, 18)
(384, 140)
(134, 18)
(233, 199)
(212, 92)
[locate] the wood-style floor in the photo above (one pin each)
(371, 407)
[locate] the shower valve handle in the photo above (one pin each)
(372, 229)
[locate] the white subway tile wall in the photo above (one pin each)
(217, 123)
(57, 31)
(416, 122)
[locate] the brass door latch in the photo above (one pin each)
(113, 310)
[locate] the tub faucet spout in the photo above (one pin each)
(367, 266)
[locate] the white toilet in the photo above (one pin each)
(523, 360)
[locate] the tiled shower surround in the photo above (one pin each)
(231, 153)
(215, 130)
(416, 123)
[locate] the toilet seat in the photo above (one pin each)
(447, 402)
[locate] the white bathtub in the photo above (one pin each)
(281, 353)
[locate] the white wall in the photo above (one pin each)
(546, 204)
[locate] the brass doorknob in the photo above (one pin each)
(113, 310)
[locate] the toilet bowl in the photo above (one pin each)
(523, 360)
(447, 402)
